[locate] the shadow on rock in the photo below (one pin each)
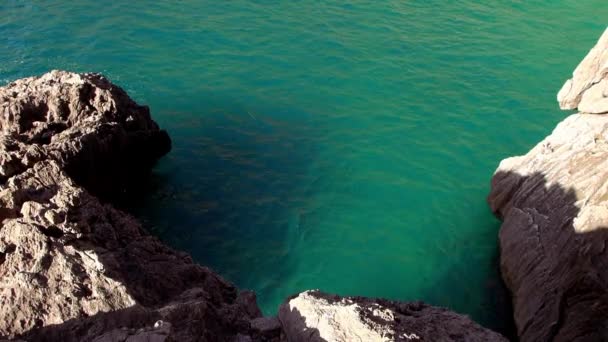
(189, 317)
(493, 309)
(555, 271)
(296, 328)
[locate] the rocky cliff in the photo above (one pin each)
(554, 205)
(73, 268)
(64, 255)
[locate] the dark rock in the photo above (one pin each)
(92, 128)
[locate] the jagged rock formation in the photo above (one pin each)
(73, 268)
(64, 255)
(91, 128)
(554, 204)
(315, 316)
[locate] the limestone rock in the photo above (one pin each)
(554, 205)
(315, 316)
(587, 90)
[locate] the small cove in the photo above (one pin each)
(325, 145)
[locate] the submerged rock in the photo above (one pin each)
(554, 204)
(73, 268)
(314, 316)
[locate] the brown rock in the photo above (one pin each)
(94, 131)
(72, 268)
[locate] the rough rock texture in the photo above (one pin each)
(73, 268)
(554, 204)
(64, 255)
(315, 316)
(90, 127)
(587, 90)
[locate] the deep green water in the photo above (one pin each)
(346, 147)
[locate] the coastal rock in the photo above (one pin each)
(72, 267)
(554, 205)
(587, 90)
(313, 316)
(192, 316)
(97, 134)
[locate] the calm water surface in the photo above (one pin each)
(346, 147)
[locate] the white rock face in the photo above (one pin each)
(339, 321)
(316, 316)
(587, 90)
(554, 204)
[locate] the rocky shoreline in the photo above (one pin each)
(66, 256)
(74, 268)
(554, 204)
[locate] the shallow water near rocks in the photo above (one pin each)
(345, 147)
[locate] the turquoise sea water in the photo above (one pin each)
(340, 146)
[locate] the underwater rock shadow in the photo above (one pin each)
(227, 192)
(496, 312)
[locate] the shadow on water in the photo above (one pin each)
(495, 310)
(467, 279)
(238, 178)
(228, 191)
